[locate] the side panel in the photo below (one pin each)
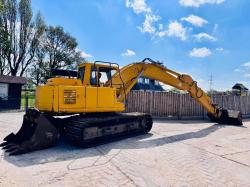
(71, 98)
(44, 98)
(91, 97)
(106, 97)
(77, 99)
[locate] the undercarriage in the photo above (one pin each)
(41, 130)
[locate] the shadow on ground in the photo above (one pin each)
(63, 151)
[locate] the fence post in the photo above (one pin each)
(179, 107)
(240, 108)
(203, 113)
(151, 104)
(26, 102)
(222, 101)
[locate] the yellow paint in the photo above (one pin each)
(64, 81)
(106, 97)
(71, 95)
(91, 97)
(45, 98)
(157, 72)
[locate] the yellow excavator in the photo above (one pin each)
(92, 102)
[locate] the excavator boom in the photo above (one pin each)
(128, 76)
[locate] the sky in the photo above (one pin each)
(207, 39)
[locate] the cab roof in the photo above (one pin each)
(99, 65)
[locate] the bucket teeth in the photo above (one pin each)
(37, 132)
(10, 138)
(6, 147)
(12, 148)
(3, 144)
(15, 150)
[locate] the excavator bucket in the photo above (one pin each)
(37, 132)
(230, 117)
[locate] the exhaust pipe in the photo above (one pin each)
(37, 132)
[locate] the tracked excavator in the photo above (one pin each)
(92, 101)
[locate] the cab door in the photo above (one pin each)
(91, 97)
(91, 90)
(105, 94)
(106, 97)
(98, 95)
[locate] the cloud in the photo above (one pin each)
(138, 6)
(243, 68)
(246, 64)
(247, 75)
(198, 3)
(128, 53)
(204, 37)
(175, 29)
(237, 70)
(215, 29)
(220, 49)
(83, 54)
(200, 52)
(147, 25)
(160, 26)
(150, 24)
(195, 20)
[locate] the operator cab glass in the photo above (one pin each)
(100, 76)
(81, 73)
(97, 74)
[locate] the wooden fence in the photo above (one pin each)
(180, 105)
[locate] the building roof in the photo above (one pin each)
(239, 86)
(147, 86)
(12, 79)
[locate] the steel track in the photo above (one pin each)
(87, 130)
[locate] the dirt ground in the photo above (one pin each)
(175, 153)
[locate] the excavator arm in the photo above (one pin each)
(127, 77)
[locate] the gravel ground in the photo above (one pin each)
(175, 153)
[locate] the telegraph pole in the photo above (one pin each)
(211, 84)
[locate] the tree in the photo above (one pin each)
(3, 46)
(38, 69)
(61, 47)
(3, 36)
(21, 35)
(58, 49)
(1, 7)
(174, 90)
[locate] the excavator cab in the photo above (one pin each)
(97, 74)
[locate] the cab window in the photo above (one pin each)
(81, 73)
(93, 74)
(100, 76)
